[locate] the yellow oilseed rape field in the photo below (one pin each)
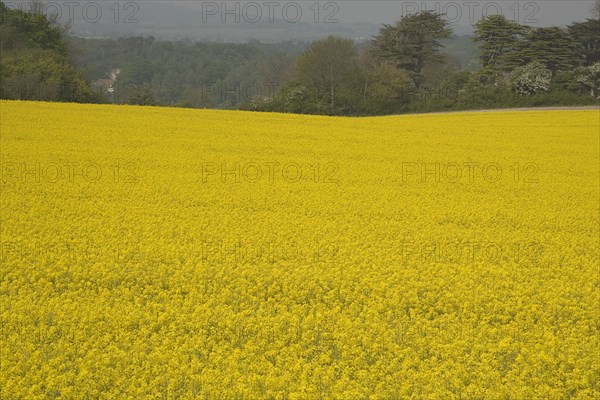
(153, 253)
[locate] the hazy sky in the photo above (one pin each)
(542, 13)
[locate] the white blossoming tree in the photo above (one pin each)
(531, 79)
(590, 78)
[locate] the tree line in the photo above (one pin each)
(402, 69)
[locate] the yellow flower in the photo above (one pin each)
(170, 253)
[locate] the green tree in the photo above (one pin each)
(586, 36)
(328, 67)
(413, 42)
(37, 74)
(35, 59)
(499, 39)
(551, 46)
(390, 88)
(30, 30)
